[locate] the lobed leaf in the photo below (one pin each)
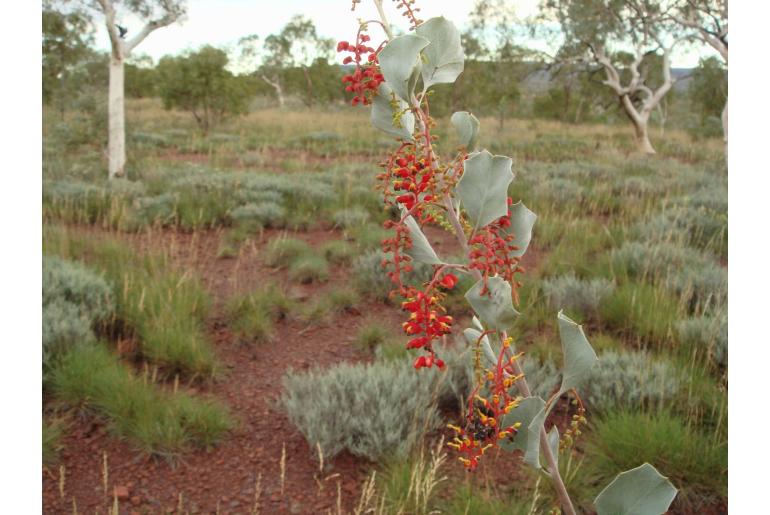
(467, 127)
(522, 221)
(483, 188)
(495, 308)
(382, 114)
(400, 64)
(444, 57)
(579, 356)
(639, 491)
(421, 249)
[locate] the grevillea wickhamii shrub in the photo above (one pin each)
(466, 194)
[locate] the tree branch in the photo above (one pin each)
(117, 44)
(168, 19)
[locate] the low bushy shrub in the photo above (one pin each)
(75, 299)
(74, 283)
(265, 214)
(282, 251)
(372, 280)
(694, 275)
(309, 268)
(708, 333)
(376, 411)
(629, 380)
(580, 295)
(338, 252)
(350, 217)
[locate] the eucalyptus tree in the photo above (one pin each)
(155, 14)
(67, 35)
(492, 40)
(625, 38)
(297, 45)
(707, 19)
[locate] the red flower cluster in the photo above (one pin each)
(367, 77)
(483, 421)
(427, 323)
(413, 177)
(491, 252)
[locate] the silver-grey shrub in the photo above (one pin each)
(267, 214)
(376, 411)
(692, 273)
(542, 378)
(629, 379)
(573, 294)
(74, 300)
(706, 332)
(72, 282)
(371, 278)
(350, 217)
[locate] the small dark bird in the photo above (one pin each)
(121, 30)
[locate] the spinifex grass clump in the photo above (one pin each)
(161, 306)
(467, 195)
(135, 408)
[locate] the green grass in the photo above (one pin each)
(694, 462)
(372, 335)
(338, 252)
(162, 306)
(157, 421)
(252, 315)
(329, 304)
(642, 313)
(467, 500)
(282, 251)
(52, 434)
(309, 268)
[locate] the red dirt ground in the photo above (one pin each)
(224, 478)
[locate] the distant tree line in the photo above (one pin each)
(502, 78)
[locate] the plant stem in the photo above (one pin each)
(553, 468)
(522, 385)
(384, 20)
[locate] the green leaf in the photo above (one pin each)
(483, 188)
(421, 249)
(639, 491)
(496, 307)
(579, 356)
(382, 114)
(444, 55)
(525, 412)
(467, 127)
(400, 64)
(522, 221)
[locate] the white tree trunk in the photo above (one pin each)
(117, 120)
(276, 85)
(643, 145)
(724, 122)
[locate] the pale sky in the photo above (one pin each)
(222, 22)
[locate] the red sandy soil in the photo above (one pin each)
(224, 478)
